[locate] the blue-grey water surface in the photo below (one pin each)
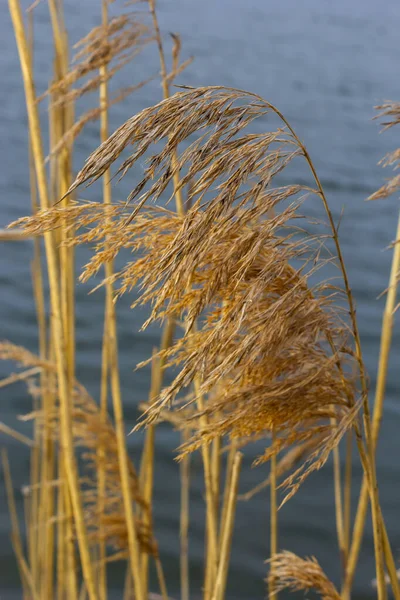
(325, 65)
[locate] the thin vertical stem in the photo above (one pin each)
(112, 340)
(26, 575)
(386, 339)
(339, 517)
(60, 347)
(347, 491)
(227, 532)
(184, 522)
(105, 359)
(273, 519)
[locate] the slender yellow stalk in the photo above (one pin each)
(61, 558)
(111, 337)
(211, 516)
(161, 579)
(147, 464)
(216, 471)
(386, 338)
(41, 463)
(164, 79)
(101, 458)
(46, 538)
(13, 236)
(66, 428)
(128, 592)
(26, 575)
(273, 520)
(228, 477)
(339, 517)
(133, 544)
(377, 521)
(184, 522)
(27, 522)
(227, 532)
(370, 457)
(20, 437)
(107, 199)
(61, 122)
(37, 282)
(347, 492)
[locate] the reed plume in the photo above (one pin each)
(90, 433)
(272, 352)
(298, 574)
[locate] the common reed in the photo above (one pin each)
(262, 346)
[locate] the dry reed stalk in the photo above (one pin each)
(19, 376)
(26, 575)
(369, 462)
(61, 534)
(60, 121)
(184, 523)
(347, 492)
(392, 111)
(161, 579)
(211, 515)
(106, 347)
(273, 520)
(112, 351)
(216, 471)
(168, 333)
(41, 445)
(67, 442)
(12, 236)
(16, 435)
(387, 328)
(339, 514)
(148, 456)
(227, 531)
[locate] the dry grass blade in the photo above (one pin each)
(291, 571)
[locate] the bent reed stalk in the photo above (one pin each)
(256, 348)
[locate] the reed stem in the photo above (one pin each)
(184, 522)
(386, 338)
(58, 333)
(273, 520)
(227, 532)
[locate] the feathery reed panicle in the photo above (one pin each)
(274, 342)
(390, 112)
(297, 574)
(90, 432)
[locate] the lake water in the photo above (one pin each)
(325, 65)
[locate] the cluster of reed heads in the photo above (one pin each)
(261, 345)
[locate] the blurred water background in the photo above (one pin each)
(325, 65)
